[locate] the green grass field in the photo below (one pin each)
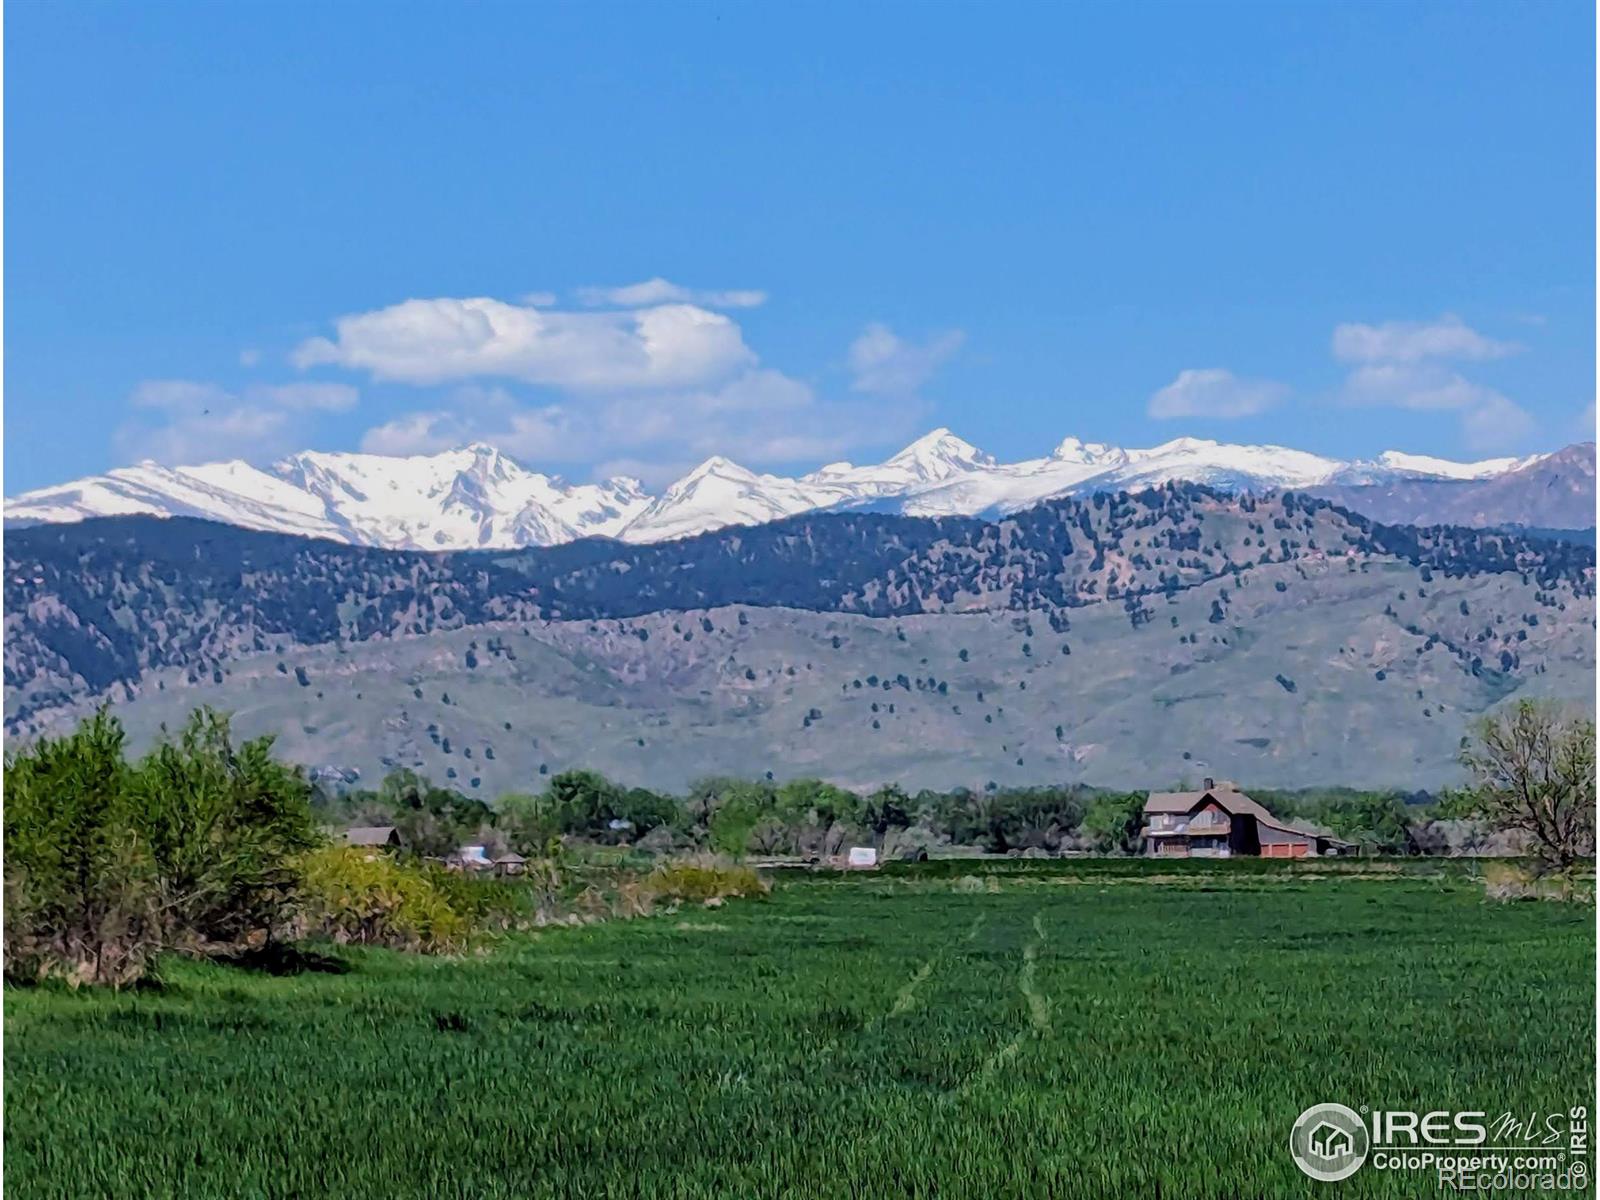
(1059, 1029)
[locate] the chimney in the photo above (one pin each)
(1209, 784)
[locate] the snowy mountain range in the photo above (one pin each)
(477, 497)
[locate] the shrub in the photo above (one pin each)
(704, 879)
(353, 896)
(80, 890)
(1112, 823)
(194, 847)
(1508, 881)
(224, 828)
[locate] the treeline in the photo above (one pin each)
(740, 817)
(813, 818)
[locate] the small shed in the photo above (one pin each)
(385, 837)
(510, 863)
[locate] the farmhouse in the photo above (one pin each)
(1220, 821)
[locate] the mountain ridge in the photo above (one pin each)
(92, 605)
(1110, 639)
(476, 496)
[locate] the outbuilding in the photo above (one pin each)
(510, 863)
(385, 837)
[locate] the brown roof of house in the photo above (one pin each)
(370, 835)
(510, 856)
(1231, 801)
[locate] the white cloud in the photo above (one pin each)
(653, 475)
(1415, 341)
(1489, 420)
(885, 364)
(177, 395)
(1215, 393)
(660, 291)
(759, 417)
(191, 438)
(474, 413)
(182, 422)
(1400, 364)
(664, 380)
(414, 433)
(435, 341)
(1423, 388)
(1496, 423)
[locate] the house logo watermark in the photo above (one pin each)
(1468, 1150)
(1329, 1142)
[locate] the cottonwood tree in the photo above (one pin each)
(1533, 772)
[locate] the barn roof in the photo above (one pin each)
(371, 835)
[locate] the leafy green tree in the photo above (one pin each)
(584, 803)
(81, 895)
(646, 810)
(888, 808)
(196, 847)
(525, 823)
(1377, 821)
(432, 821)
(816, 816)
(1112, 823)
(734, 821)
(224, 826)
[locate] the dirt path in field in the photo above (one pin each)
(906, 998)
(1038, 1012)
(1038, 1002)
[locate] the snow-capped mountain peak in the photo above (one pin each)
(1439, 468)
(1088, 453)
(477, 496)
(938, 455)
(723, 468)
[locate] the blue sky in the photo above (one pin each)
(237, 230)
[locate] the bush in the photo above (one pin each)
(353, 896)
(192, 848)
(1112, 823)
(1509, 881)
(81, 896)
(704, 879)
(224, 829)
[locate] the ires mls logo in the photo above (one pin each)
(1329, 1142)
